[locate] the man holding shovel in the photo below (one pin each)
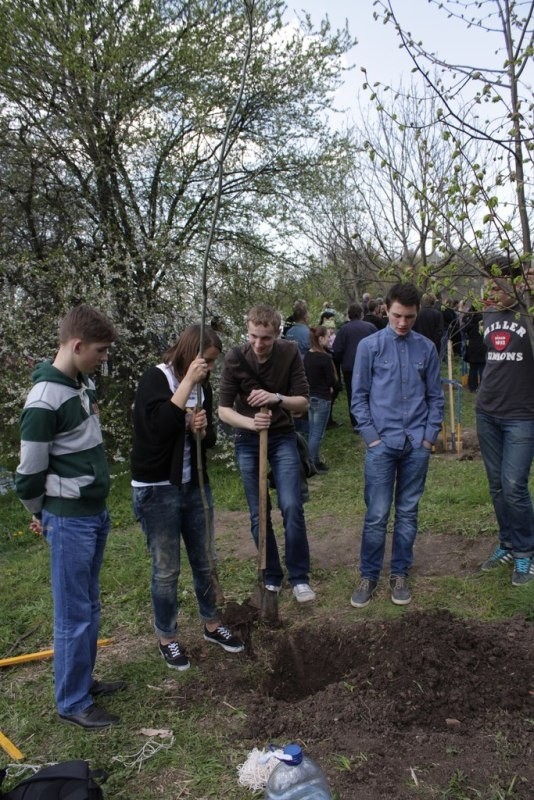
(262, 384)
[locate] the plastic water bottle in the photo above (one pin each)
(296, 777)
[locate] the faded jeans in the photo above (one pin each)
(318, 416)
(397, 475)
(168, 514)
(285, 465)
(507, 448)
(76, 553)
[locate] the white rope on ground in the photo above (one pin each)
(17, 770)
(148, 750)
(255, 771)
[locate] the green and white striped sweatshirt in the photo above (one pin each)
(63, 466)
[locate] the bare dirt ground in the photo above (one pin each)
(419, 706)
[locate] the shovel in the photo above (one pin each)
(265, 601)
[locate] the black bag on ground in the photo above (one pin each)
(68, 780)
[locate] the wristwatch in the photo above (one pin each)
(279, 399)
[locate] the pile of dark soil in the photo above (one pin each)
(423, 706)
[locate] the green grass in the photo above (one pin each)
(202, 759)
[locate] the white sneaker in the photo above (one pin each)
(303, 593)
(272, 588)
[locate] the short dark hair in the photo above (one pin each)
(502, 266)
(300, 311)
(354, 311)
(86, 323)
(407, 294)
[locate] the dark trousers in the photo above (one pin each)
(475, 375)
(347, 380)
(333, 400)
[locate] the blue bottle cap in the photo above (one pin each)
(295, 752)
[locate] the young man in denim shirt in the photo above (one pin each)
(398, 402)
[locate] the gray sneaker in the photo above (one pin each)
(523, 571)
(363, 593)
(400, 592)
(501, 555)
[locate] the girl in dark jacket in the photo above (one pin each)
(167, 496)
(322, 379)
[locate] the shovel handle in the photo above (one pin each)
(263, 496)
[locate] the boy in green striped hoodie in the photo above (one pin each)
(63, 481)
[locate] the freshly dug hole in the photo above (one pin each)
(428, 668)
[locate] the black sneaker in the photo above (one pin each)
(174, 656)
(225, 639)
(363, 593)
(523, 571)
(400, 592)
(501, 555)
(321, 467)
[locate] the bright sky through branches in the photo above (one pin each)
(378, 44)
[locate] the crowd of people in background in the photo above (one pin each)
(442, 321)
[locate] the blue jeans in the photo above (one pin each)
(76, 554)
(302, 425)
(318, 415)
(285, 465)
(167, 514)
(507, 448)
(391, 473)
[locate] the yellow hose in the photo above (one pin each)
(42, 654)
(7, 745)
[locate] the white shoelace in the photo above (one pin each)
(174, 649)
(221, 631)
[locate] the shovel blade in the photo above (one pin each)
(266, 602)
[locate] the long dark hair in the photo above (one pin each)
(187, 347)
(315, 334)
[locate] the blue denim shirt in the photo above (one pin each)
(300, 334)
(396, 389)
